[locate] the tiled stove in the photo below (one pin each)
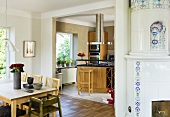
(148, 63)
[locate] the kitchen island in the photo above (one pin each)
(103, 76)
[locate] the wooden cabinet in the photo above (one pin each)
(99, 78)
(103, 48)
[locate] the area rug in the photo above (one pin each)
(71, 90)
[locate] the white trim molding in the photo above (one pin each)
(78, 9)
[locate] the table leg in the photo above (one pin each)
(13, 108)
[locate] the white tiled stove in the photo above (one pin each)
(148, 63)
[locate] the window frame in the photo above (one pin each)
(7, 54)
(71, 43)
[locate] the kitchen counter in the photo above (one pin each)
(103, 76)
(94, 60)
(96, 65)
(101, 63)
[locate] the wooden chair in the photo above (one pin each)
(85, 79)
(37, 78)
(24, 77)
(44, 107)
(53, 83)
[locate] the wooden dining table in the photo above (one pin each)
(14, 97)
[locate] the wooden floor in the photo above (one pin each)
(75, 107)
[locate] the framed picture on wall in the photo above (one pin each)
(29, 49)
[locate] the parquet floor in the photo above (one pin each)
(76, 107)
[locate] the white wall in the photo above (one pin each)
(23, 28)
(122, 43)
(48, 46)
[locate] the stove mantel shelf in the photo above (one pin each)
(148, 57)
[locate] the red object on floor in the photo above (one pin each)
(110, 101)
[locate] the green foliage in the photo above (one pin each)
(2, 53)
(68, 60)
(63, 51)
(58, 61)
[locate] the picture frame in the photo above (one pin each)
(28, 49)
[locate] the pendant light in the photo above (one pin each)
(9, 46)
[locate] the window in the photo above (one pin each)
(4, 57)
(64, 46)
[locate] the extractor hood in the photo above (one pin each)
(100, 31)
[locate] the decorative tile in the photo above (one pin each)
(161, 4)
(157, 36)
(137, 88)
(137, 5)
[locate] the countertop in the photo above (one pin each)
(58, 67)
(103, 63)
(94, 60)
(95, 65)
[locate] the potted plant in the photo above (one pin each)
(72, 62)
(62, 63)
(58, 61)
(68, 61)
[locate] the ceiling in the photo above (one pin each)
(43, 6)
(90, 16)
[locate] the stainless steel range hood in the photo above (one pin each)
(100, 31)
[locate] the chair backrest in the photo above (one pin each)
(37, 78)
(50, 101)
(53, 83)
(44, 107)
(23, 77)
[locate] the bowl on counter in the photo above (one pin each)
(27, 86)
(37, 86)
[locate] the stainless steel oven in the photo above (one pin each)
(94, 57)
(94, 48)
